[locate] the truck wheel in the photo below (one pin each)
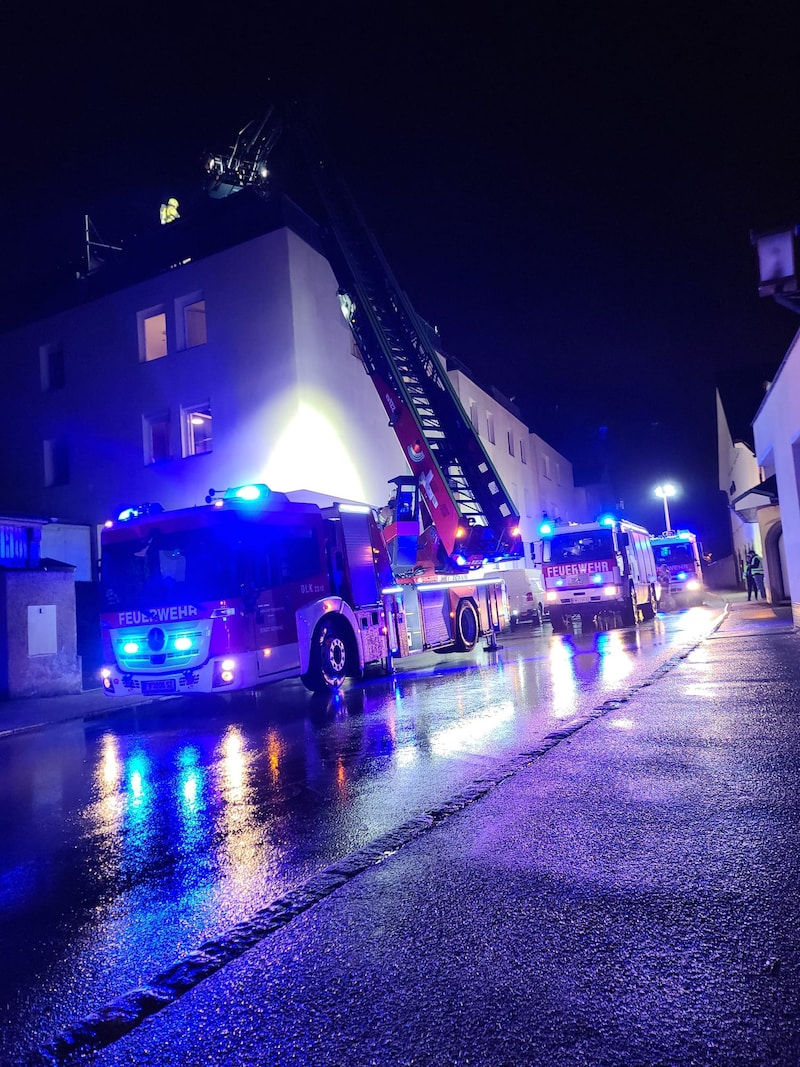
(557, 620)
(630, 610)
(331, 657)
(467, 626)
(651, 607)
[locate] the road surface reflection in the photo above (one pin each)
(168, 829)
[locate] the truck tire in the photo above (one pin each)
(332, 656)
(629, 612)
(468, 627)
(651, 607)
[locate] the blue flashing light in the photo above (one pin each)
(255, 491)
(684, 535)
(681, 576)
(546, 528)
(597, 579)
(607, 520)
(559, 581)
(460, 561)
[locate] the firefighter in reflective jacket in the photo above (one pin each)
(757, 571)
(169, 211)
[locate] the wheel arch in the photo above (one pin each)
(310, 615)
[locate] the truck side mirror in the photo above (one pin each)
(532, 547)
(624, 540)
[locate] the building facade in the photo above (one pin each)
(216, 354)
(776, 430)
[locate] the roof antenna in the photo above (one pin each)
(95, 248)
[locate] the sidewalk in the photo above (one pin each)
(624, 895)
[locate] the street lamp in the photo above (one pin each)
(665, 491)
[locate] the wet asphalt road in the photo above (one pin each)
(353, 970)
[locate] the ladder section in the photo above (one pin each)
(470, 507)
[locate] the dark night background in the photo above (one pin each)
(566, 195)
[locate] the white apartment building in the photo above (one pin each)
(776, 430)
(211, 354)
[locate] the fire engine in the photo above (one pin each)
(679, 552)
(598, 570)
(226, 597)
(255, 587)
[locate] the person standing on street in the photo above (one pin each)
(757, 573)
(752, 588)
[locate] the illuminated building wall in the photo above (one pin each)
(776, 429)
(233, 367)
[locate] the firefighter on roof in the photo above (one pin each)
(169, 211)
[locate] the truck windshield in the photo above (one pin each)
(176, 568)
(579, 547)
(214, 562)
(680, 554)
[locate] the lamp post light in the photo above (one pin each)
(665, 491)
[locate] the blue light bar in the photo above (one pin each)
(254, 491)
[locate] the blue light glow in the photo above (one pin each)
(607, 520)
(248, 492)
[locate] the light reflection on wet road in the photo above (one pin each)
(127, 843)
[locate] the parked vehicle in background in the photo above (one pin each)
(525, 592)
(600, 571)
(680, 553)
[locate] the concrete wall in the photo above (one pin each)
(38, 640)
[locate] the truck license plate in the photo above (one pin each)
(159, 685)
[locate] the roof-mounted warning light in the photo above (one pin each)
(128, 514)
(607, 519)
(245, 493)
(546, 528)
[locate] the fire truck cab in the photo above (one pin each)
(598, 571)
(678, 554)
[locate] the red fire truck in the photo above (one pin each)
(254, 587)
(598, 570)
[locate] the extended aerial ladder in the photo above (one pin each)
(468, 517)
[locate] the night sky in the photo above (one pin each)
(567, 195)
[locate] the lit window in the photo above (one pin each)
(56, 463)
(51, 367)
(156, 438)
(152, 334)
(197, 430)
(490, 426)
(510, 443)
